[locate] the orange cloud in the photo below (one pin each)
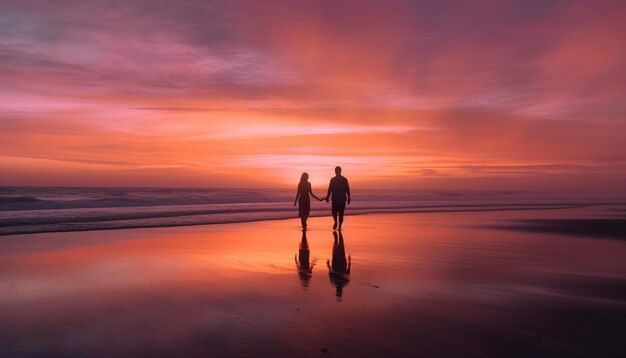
(421, 94)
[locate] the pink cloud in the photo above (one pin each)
(479, 89)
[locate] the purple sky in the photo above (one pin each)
(428, 94)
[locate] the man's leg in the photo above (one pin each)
(340, 209)
(334, 210)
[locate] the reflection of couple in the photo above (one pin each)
(338, 267)
(338, 188)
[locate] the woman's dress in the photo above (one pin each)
(304, 203)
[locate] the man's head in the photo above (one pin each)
(338, 170)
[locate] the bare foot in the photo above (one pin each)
(335, 226)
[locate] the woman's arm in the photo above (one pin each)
(296, 199)
(313, 195)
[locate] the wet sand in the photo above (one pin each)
(501, 283)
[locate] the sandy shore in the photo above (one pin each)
(501, 283)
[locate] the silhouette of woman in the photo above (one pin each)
(304, 208)
(303, 263)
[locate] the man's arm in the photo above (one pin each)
(330, 189)
(348, 190)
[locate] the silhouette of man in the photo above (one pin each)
(339, 268)
(340, 191)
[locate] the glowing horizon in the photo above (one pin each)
(490, 95)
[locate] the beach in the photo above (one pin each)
(485, 283)
(169, 173)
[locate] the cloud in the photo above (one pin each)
(438, 88)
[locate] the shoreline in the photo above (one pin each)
(137, 224)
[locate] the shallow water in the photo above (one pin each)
(54, 209)
(427, 284)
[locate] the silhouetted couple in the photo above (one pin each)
(338, 191)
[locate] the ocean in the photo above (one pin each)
(52, 209)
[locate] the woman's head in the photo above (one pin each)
(304, 177)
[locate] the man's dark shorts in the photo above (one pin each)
(339, 207)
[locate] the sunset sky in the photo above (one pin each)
(527, 95)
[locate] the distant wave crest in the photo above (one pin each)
(18, 199)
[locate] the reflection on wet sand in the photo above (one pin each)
(305, 267)
(462, 287)
(339, 270)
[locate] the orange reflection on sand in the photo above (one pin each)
(210, 288)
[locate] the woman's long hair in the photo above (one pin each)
(303, 180)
